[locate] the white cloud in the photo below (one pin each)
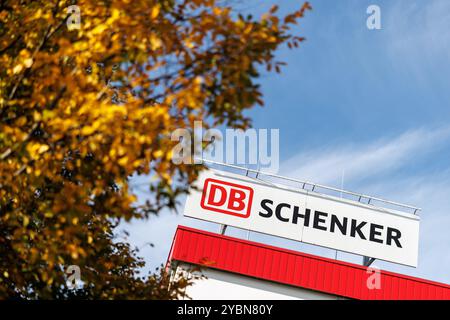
(326, 165)
(418, 42)
(419, 27)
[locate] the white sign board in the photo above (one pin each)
(309, 217)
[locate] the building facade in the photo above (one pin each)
(232, 268)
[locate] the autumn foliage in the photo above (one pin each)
(84, 109)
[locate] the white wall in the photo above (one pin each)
(221, 285)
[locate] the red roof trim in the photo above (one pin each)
(296, 268)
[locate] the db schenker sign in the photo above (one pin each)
(312, 218)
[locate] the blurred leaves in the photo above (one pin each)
(84, 109)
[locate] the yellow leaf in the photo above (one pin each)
(28, 62)
(114, 16)
(86, 131)
(123, 161)
(99, 29)
(155, 42)
(43, 148)
(158, 154)
(155, 11)
(38, 14)
(21, 121)
(17, 69)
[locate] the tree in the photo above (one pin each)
(83, 109)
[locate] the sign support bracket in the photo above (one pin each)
(367, 261)
(223, 228)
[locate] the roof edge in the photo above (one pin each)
(299, 253)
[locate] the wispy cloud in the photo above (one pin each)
(326, 165)
(418, 27)
(418, 43)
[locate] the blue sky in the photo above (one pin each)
(371, 106)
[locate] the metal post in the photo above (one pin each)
(223, 228)
(367, 261)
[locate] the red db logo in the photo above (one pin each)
(225, 197)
